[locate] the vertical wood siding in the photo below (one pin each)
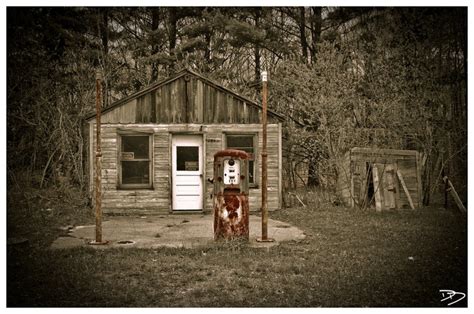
(188, 99)
(355, 170)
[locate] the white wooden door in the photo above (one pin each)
(187, 170)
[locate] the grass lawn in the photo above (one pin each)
(349, 258)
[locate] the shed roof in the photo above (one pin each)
(117, 104)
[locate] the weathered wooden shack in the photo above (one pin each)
(381, 178)
(158, 146)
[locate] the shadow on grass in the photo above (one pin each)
(349, 258)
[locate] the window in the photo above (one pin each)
(187, 158)
(135, 165)
(246, 143)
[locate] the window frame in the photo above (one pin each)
(255, 159)
(134, 186)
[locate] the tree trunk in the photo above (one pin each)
(316, 23)
(257, 48)
(302, 27)
(173, 19)
(207, 38)
(207, 52)
(313, 178)
(155, 22)
(104, 34)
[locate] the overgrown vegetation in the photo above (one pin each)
(41, 215)
(376, 87)
(349, 258)
(344, 77)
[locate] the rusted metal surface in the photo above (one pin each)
(264, 160)
(98, 163)
(231, 201)
(231, 153)
(231, 215)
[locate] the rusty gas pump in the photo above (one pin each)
(231, 194)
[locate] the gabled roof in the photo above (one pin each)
(174, 77)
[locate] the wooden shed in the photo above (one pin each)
(158, 146)
(383, 179)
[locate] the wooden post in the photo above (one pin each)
(455, 195)
(264, 237)
(377, 186)
(98, 164)
(404, 186)
(446, 189)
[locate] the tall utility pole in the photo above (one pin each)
(98, 164)
(264, 237)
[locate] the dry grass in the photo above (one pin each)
(39, 214)
(349, 258)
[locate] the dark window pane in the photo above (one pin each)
(135, 172)
(251, 172)
(187, 158)
(138, 145)
(245, 143)
(236, 141)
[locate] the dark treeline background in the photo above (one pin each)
(344, 77)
